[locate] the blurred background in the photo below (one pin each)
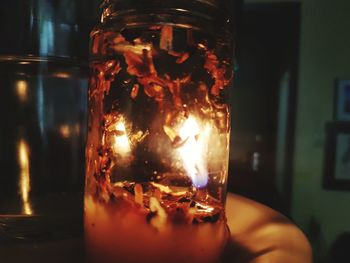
(289, 56)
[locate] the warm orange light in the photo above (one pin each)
(22, 90)
(65, 131)
(194, 151)
(24, 182)
(121, 143)
(62, 75)
(77, 128)
(166, 39)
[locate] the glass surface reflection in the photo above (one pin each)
(42, 131)
(24, 180)
(43, 91)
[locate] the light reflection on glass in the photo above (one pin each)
(62, 75)
(47, 37)
(77, 128)
(22, 90)
(24, 181)
(65, 131)
(41, 107)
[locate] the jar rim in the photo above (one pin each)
(213, 3)
(219, 10)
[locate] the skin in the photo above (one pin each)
(260, 234)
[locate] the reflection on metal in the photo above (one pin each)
(22, 90)
(24, 180)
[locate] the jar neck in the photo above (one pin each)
(187, 13)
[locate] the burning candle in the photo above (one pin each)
(157, 149)
(193, 152)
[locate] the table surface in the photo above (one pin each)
(258, 234)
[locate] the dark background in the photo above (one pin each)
(288, 55)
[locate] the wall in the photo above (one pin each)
(324, 56)
(270, 1)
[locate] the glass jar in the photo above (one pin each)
(43, 95)
(41, 148)
(158, 132)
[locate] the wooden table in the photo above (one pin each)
(258, 234)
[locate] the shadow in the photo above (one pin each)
(235, 252)
(340, 249)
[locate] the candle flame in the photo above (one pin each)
(24, 182)
(194, 151)
(121, 141)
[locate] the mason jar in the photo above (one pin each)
(158, 131)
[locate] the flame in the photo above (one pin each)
(24, 182)
(121, 143)
(194, 151)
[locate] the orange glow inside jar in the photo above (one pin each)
(158, 144)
